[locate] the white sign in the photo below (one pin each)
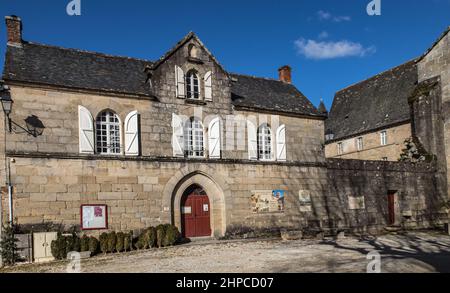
(94, 217)
(186, 210)
(206, 208)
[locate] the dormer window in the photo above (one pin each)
(192, 85)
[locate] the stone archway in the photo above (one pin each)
(174, 192)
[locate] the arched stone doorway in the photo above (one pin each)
(177, 188)
(195, 213)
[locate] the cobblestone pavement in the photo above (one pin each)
(412, 252)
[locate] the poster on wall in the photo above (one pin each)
(304, 197)
(94, 217)
(268, 201)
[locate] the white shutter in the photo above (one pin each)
(178, 136)
(208, 86)
(180, 82)
(132, 134)
(214, 141)
(281, 143)
(86, 131)
(252, 141)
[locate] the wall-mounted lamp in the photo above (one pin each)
(34, 126)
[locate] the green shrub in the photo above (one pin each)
(172, 235)
(160, 235)
(151, 237)
(104, 243)
(112, 240)
(84, 245)
(120, 242)
(93, 245)
(142, 241)
(8, 246)
(128, 242)
(58, 247)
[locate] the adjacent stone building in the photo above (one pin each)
(130, 143)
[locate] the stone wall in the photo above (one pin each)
(436, 64)
(372, 148)
(418, 201)
(140, 193)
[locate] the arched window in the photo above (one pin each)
(108, 133)
(264, 142)
(194, 144)
(192, 85)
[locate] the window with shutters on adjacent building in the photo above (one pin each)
(384, 138)
(359, 144)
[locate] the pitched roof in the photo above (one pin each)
(71, 68)
(270, 94)
(50, 65)
(380, 101)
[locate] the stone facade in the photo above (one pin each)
(52, 178)
(372, 150)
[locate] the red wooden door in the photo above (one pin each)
(195, 213)
(391, 208)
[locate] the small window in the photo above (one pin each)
(359, 143)
(384, 140)
(385, 159)
(108, 133)
(192, 85)
(194, 139)
(264, 142)
(340, 148)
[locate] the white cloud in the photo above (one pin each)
(321, 50)
(325, 15)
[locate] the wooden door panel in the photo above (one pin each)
(197, 223)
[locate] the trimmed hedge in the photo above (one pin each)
(93, 246)
(128, 242)
(161, 236)
(120, 242)
(103, 243)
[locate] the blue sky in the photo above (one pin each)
(330, 44)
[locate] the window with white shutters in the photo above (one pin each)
(86, 131)
(264, 142)
(194, 138)
(108, 133)
(132, 134)
(178, 136)
(192, 85)
(208, 86)
(214, 139)
(180, 82)
(252, 136)
(281, 143)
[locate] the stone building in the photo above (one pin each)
(371, 120)
(130, 143)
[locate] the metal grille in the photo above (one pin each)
(194, 138)
(108, 133)
(264, 143)
(192, 86)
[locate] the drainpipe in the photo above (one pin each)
(10, 204)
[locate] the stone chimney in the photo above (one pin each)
(14, 28)
(285, 74)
